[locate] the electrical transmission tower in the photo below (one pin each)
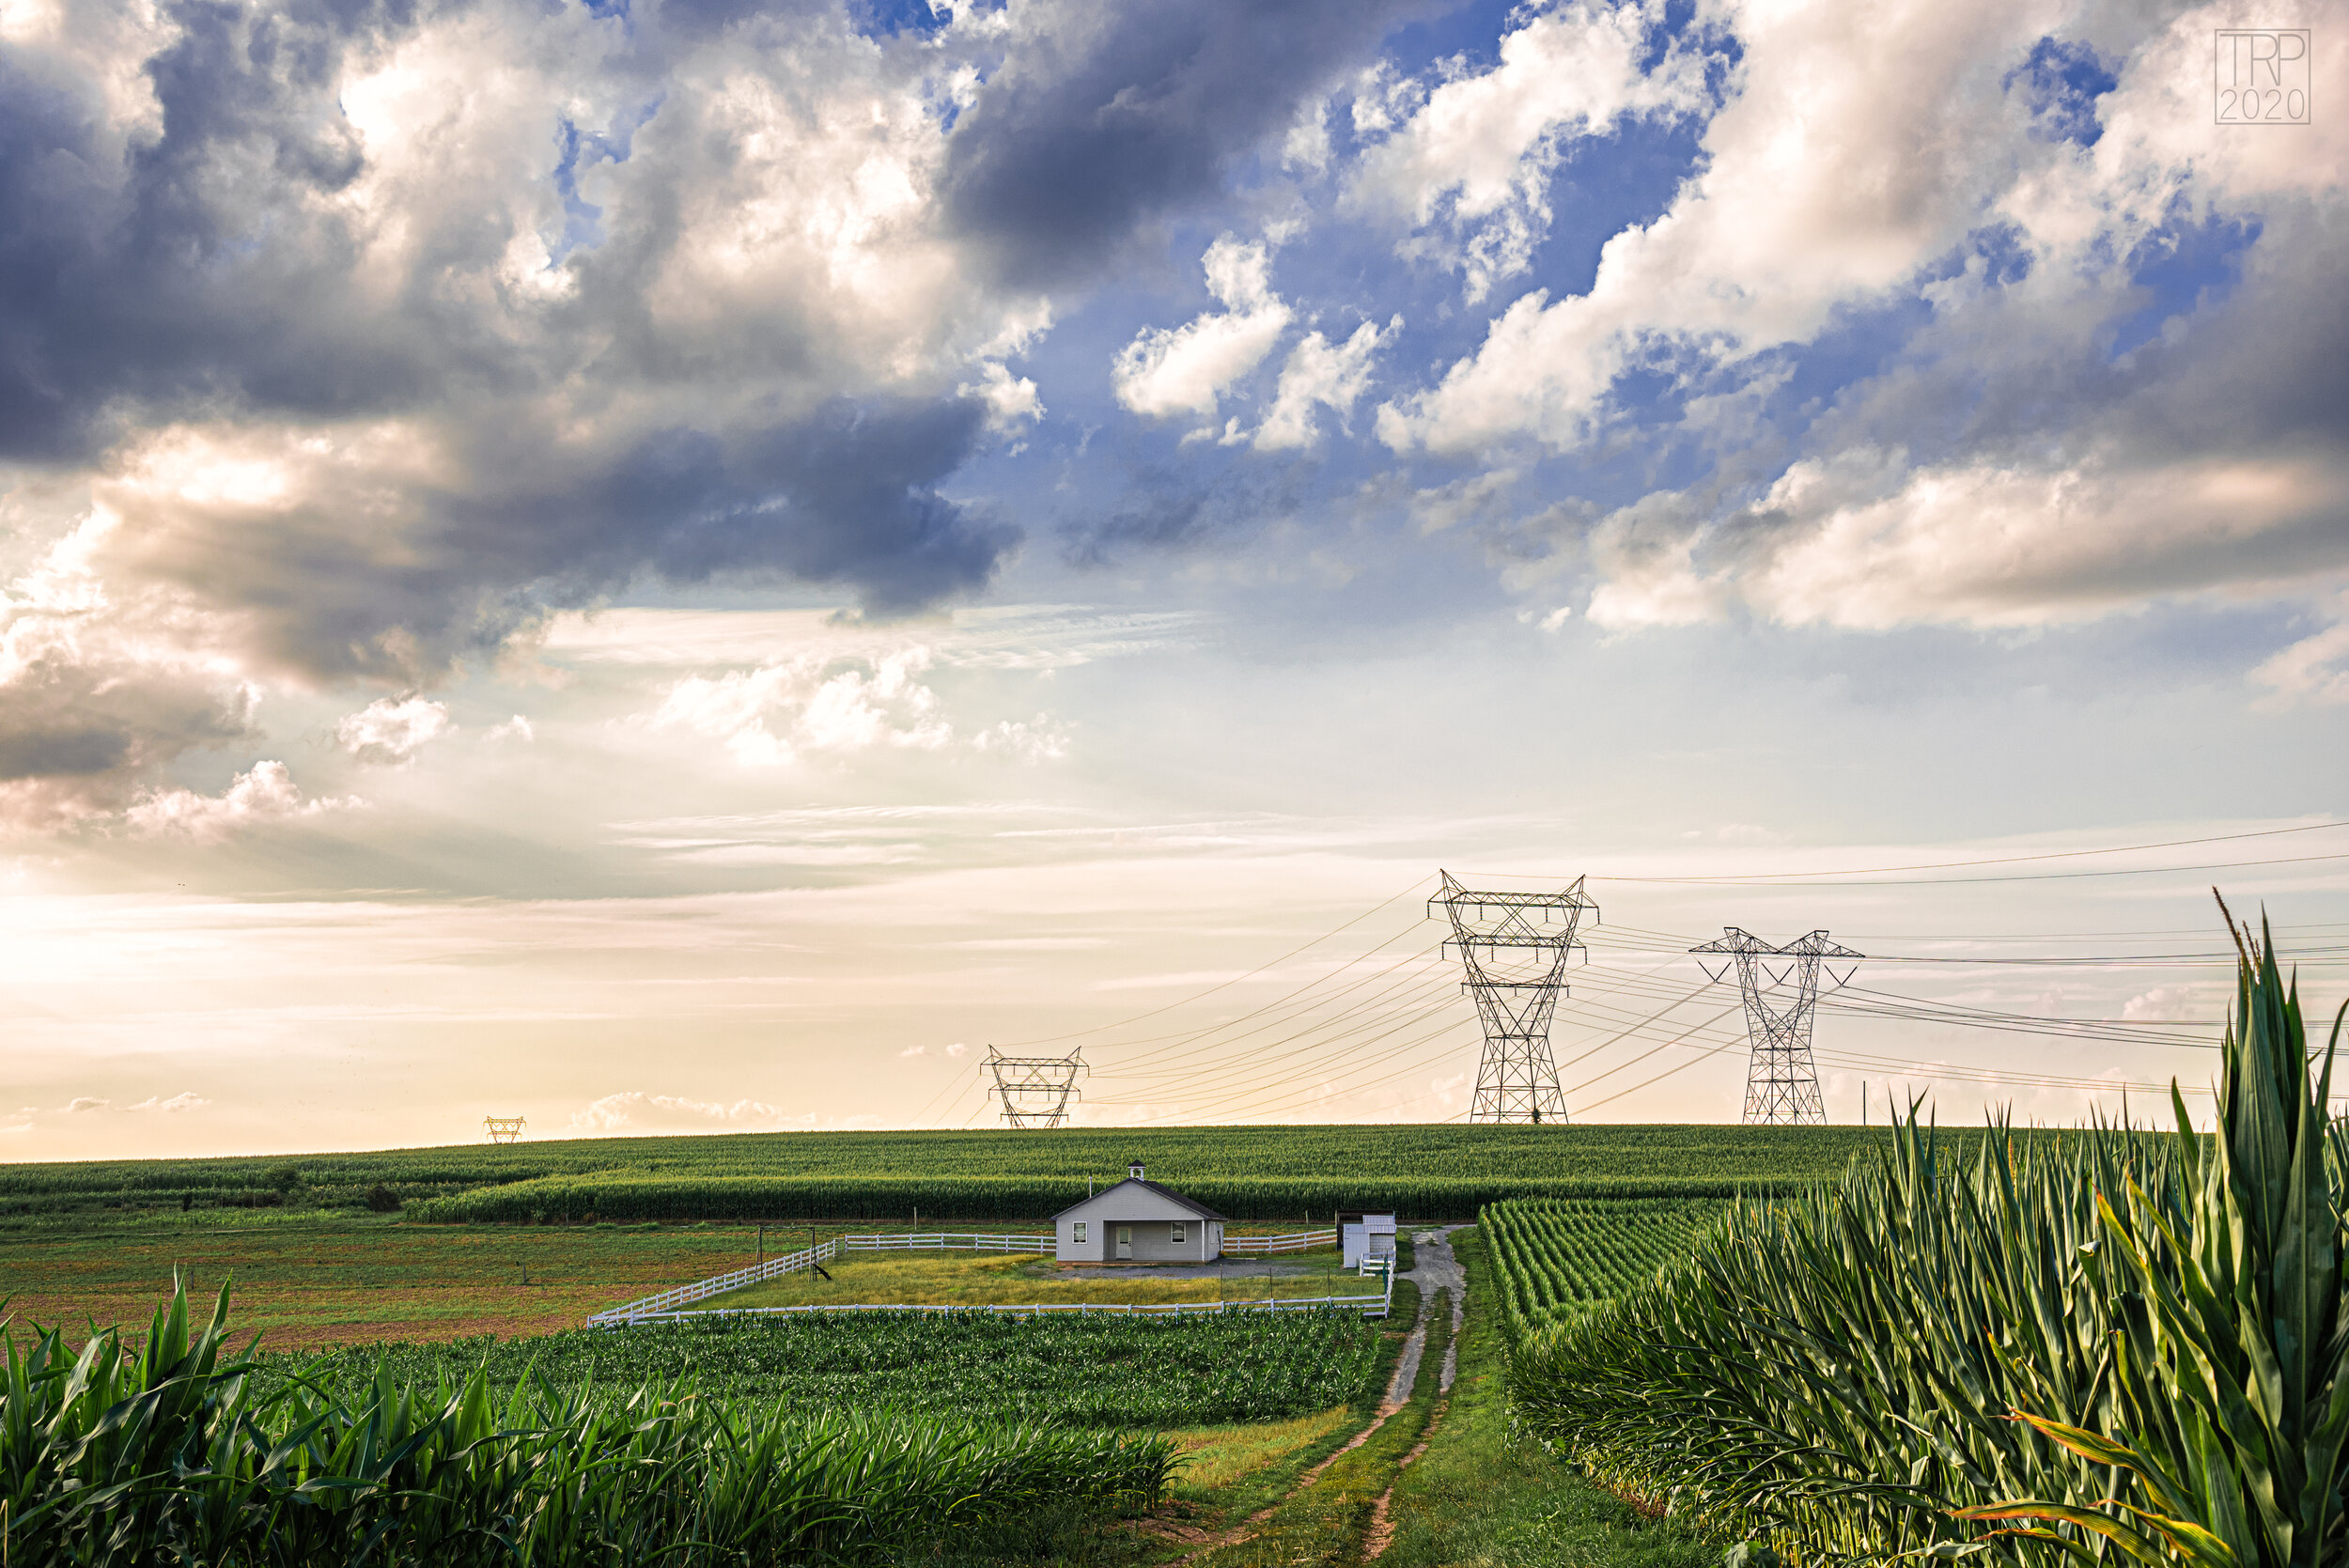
(1035, 1090)
(503, 1129)
(1781, 1084)
(1514, 946)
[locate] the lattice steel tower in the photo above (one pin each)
(503, 1129)
(1781, 1084)
(1514, 946)
(1035, 1090)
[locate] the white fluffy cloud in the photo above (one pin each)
(1858, 145)
(634, 1109)
(390, 731)
(1186, 369)
(1868, 542)
(2315, 669)
(1474, 159)
(262, 794)
(769, 715)
(1319, 374)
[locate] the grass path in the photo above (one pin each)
(1433, 1479)
(1480, 1498)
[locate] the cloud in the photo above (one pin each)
(177, 1105)
(1867, 541)
(1186, 369)
(1855, 148)
(374, 335)
(670, 1113)
(2314, 670)
(517, 728)
(96, 690)
(768, 715)
(391, 731)
(957, 1050)
(1319, 374)
(1042, 739)
(916, 1050)
(171, 1107)
(264, 793)
(1476, 156)
(1100, 121)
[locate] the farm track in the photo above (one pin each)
(1434, 1270)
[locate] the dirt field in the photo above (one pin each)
(335, 1281)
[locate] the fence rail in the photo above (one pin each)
(1298, 1241)
(718, 1284)
(664, 1307)
(937, 1240)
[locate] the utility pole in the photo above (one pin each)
(1514, 947)
(1782, 1082)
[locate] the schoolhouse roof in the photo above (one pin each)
(1144, 1184)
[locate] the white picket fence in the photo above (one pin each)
(1298, 1242)
(665, 1307)
(718, 1284)
(938, 1239)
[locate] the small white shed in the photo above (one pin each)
(1365, 1236)
(1138, 1221)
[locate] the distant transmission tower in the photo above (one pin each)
(1035, 1090)
(1514, 946)
(1781, 1084)
(503, 1129)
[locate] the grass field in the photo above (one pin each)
(1019, 1277)
(1287, 1174)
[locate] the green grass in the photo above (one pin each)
(1480, 1498)
(974, 1279)
(1285, 1175)
(1322, 1525)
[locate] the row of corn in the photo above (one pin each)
(1553, 1257)
(2028, 1349)
(175, 1453)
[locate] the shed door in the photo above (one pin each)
(1125, 1241)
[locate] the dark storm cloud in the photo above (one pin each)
(845, 497)
(72, 719)
(195, 269)
(186, 266)
(1139, 113)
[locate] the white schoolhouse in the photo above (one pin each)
(1138, 1221)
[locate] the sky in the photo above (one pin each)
(679, 565)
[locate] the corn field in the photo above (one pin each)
(176, 1454)
(1100, 1370)
(2107, 1346)
(1553, 1258)
(1288, 1174)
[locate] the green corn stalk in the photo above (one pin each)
(2229, 1370)
(177, 1454)
(2100, 1343)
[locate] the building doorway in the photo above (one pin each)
(1125, 1241)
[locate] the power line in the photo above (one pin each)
(1998, 859)
(1055, 1039)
